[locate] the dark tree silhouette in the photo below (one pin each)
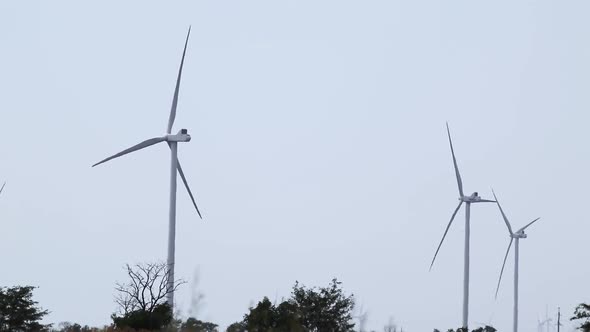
(479, 329)
(308, 310)
(142, 299)
(18, 310)
(583, 312)
(266, 317)
(324, 309)
(75, 327)
(195, 325)
(236, 327)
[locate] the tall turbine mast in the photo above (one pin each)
(548, 319)
(468, 200)
(519, 234)
(558, 318)
(172, 140)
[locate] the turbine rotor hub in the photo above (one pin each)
(471, 198)
(519, 235)
(181, 136)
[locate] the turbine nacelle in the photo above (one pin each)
(519, 235)
(473, 198)
(181, 136)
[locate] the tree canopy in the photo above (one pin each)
(486, 328)
(582, 312)
(195, 325)
(18, 310)
(325, 309)
(142, 299)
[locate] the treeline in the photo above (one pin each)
(141, 306)
(308, 309)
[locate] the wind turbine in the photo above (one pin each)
(519, 234)
(2, 187)
(172, 140)
(559, 325)
(363, 316)
(546, 323)
(468, 200)
(548, 320)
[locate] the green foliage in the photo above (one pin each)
(479, 329)
(139, 319)
(68, 327)
(309, 309)
(195, 325)
(236, 327)
(262, 318)
(142, 300)
(583, 312)
(18, 310)
(326, 309)
(266, 317)
(75, 327)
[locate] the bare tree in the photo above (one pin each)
(146, 289)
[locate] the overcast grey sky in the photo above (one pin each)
(319, 150)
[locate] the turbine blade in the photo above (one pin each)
(2, 187)
(503, 265)
(190, 193)
(175, 98)
(503, 215)
(459, 182)
(445, 234)
(188, 189)
(485, 201)
(136, 147)
(532, 222)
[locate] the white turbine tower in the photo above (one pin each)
(473, 198)
(559, 325)
(519, 234)
(172, 140)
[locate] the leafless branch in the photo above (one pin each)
(146, 289)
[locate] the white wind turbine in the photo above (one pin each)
(559, 325)
(519, 234)
(473, 198)
(172, 140)
(546, 323)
